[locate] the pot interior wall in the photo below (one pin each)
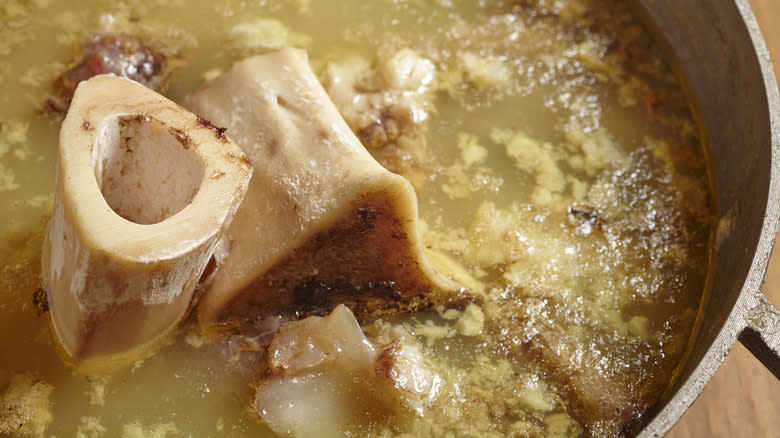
(713, 50)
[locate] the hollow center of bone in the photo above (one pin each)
(145, 169)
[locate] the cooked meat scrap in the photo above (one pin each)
(387, 107)
(124, 55)
(600, 396)
(585, 218)
(603, 405)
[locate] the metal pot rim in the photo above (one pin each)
(752, 319)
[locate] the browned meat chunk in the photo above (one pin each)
(602, 397)
(600, 403)
(124, 55)
(397, 141)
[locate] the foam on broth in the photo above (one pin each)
(566, 174)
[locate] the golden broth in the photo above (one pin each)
(566, 175)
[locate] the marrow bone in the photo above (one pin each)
(144, 193)
(323, 223)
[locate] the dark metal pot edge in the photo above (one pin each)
(753, 319)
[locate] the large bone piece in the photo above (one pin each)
(323, 223)
(144, 193)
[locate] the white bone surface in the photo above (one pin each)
(323, 223)
(144, 193)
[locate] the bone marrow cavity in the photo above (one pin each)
(147, 171)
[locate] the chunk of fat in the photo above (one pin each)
(323, 223)
(317, 368)
(144, 193)
(312, 341)
(403, 376)
(324, 375)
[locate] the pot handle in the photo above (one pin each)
(762, 332)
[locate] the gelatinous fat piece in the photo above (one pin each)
(322, 374)
(323, 223)
(404, 377)
(144, 193)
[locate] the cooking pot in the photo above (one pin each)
(718, 50)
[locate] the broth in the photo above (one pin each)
(563, 171)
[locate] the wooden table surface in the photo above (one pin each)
(743, 399)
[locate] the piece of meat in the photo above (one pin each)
(387, 106)
(600, 403)
(323, 223)
(121, 54)
(600, 397)
(143, 195)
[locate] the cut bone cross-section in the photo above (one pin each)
(323, 223)
(144, 193)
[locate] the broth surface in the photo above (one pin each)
(563, 170)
